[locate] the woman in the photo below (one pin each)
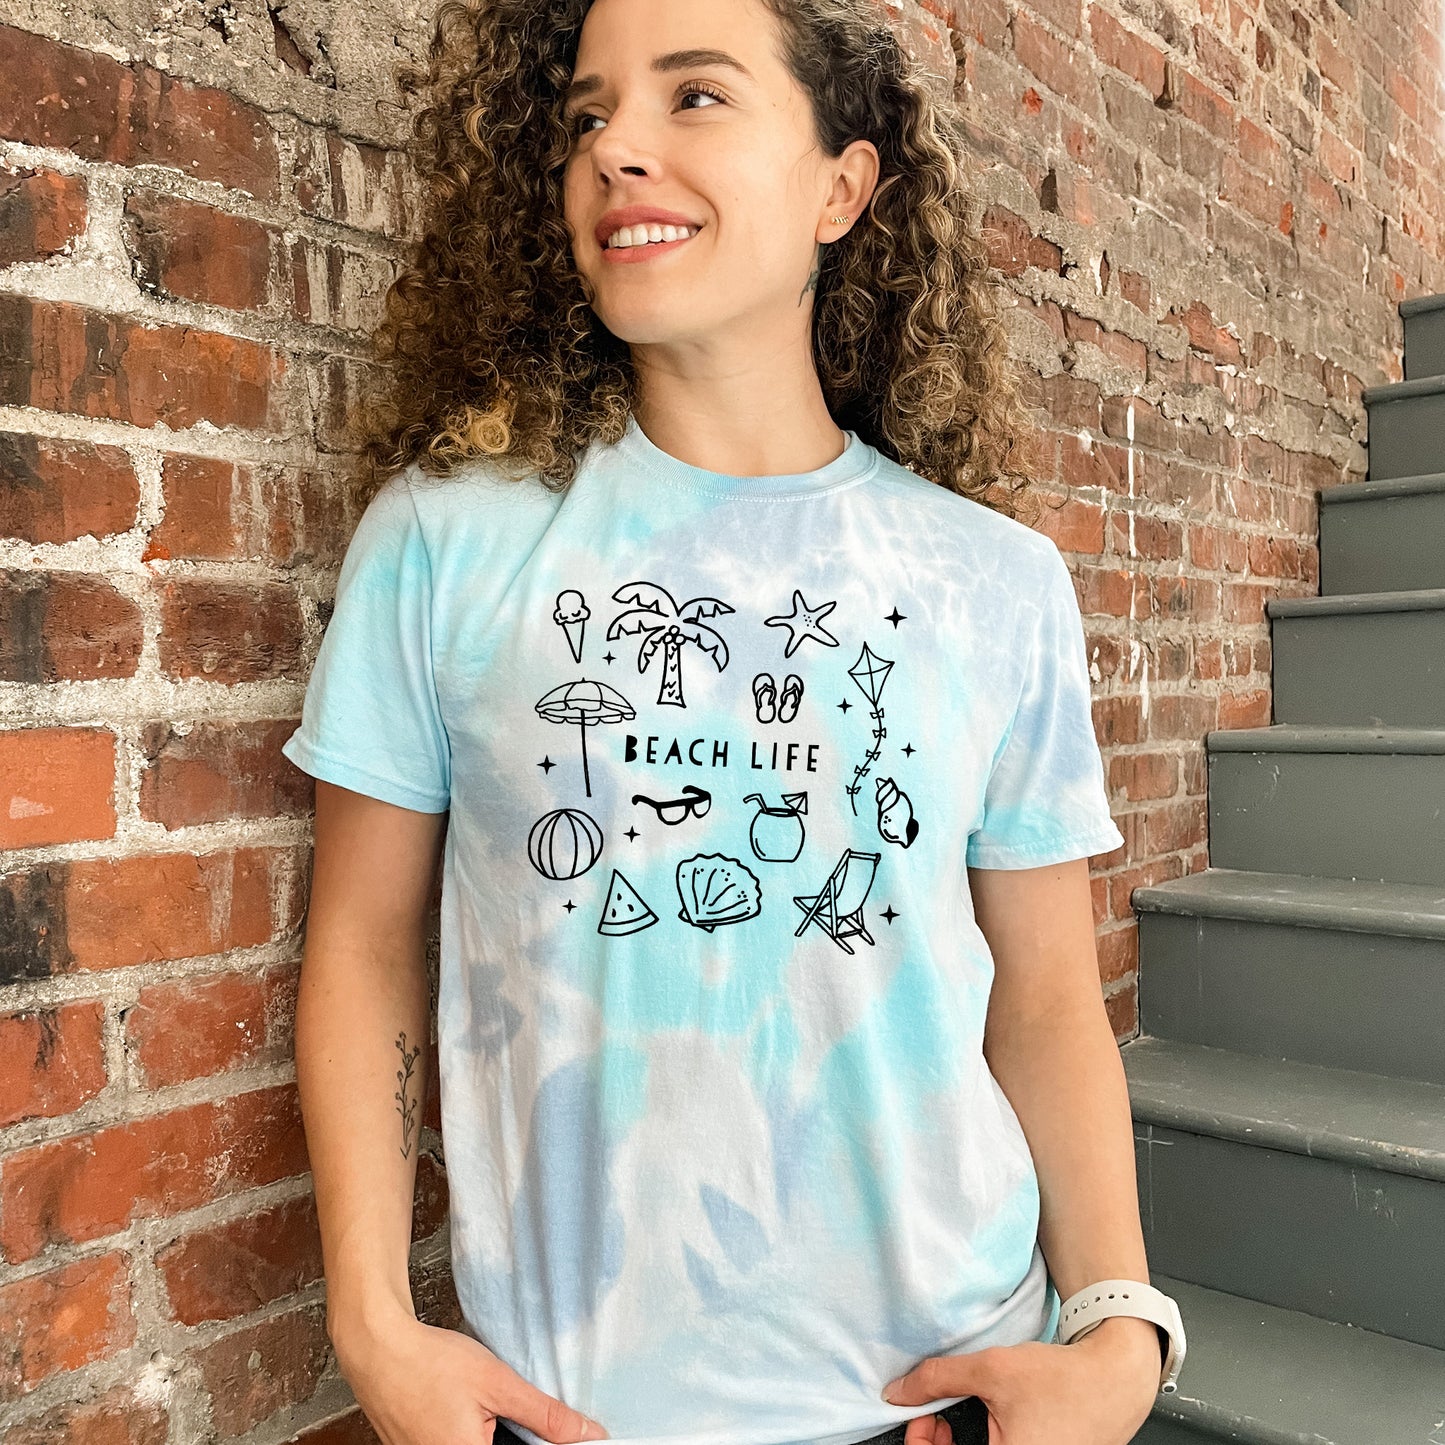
(696, 603)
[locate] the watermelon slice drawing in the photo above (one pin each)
(625, 911)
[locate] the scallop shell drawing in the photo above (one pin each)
(715, 889)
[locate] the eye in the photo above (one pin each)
(697, 87)
(575, 122)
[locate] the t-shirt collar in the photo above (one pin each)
(856, 461)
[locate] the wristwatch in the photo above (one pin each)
(1096, 1303)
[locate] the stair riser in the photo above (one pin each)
(1320, 996)
(1343, 1242)
(1389, 544)
(1155, 1431)
(1407, 436)
(1425, 344)
(1374, 816)
(1360, 668)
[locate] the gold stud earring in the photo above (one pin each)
(840, 220)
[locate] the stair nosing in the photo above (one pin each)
(1376, 488)
(1324, 738)
(1324, 1098)
(1227, 1354)
(1420, 305)
(1412, 599)
(1388, 391)
(1344, 905)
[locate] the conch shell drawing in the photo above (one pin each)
(895, 813)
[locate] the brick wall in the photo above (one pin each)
(1208, 219)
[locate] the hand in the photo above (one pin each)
(1096, 1391)
(420, 1385)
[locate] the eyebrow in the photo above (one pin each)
(584, 85)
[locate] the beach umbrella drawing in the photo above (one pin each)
(585, 703)
(870, 672)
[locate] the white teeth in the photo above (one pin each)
(651, 231)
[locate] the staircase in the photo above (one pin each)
(1288, 1084)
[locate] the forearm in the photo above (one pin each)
(362, 1024)
(1060, 1068)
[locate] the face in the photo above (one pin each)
(682, 114)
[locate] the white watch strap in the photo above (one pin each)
(1094, 1304)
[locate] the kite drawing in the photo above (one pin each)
(663, 623)
(870, 672)
(585, 703)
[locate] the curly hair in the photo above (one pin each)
(488, 347)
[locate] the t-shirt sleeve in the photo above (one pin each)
(371, 720)
(1045, 800)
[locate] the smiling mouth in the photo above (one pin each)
(630, 238)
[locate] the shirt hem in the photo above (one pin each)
(1055, 850)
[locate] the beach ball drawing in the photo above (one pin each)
(564, 843)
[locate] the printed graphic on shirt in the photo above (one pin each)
(714, 888)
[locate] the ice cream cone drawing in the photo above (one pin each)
(896, 822)
(571, 614)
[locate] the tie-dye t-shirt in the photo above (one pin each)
(723, 1150)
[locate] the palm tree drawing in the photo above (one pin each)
(664, 624)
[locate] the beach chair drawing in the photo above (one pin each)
(838, 908)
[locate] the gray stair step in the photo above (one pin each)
(1261, 1375)
(1407, 426)
(1326, 971)
(1368, 659)
(1316, 1189)
(1424, 318)
(1382, 536)
(1339, 802)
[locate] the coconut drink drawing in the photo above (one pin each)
(571, 614)
(587, 704)
(777, 833)
(666, 624)
(870, 672)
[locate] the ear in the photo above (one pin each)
(855, 178)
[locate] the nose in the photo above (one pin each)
(625, 145)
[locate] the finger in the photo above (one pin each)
(519, 1399)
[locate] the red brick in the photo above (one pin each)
(1013, 247)
(1127, 52)
(76, 100)
(68, 1191)
(62, 358)
(255, 1372)
(197, 252)
(57, 785)
(59, 625)
(221, 510)
(51, 1060)
(56, 491)
(1063, 67)
(62, 1320)
(1144, 775)
(194, 1028)
(41, 213)
(221, 770)
(352, 1428)
(230, 631)
(115, 1417)
(235, 1267)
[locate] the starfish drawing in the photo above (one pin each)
(803, 622)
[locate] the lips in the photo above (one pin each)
(615, 219)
